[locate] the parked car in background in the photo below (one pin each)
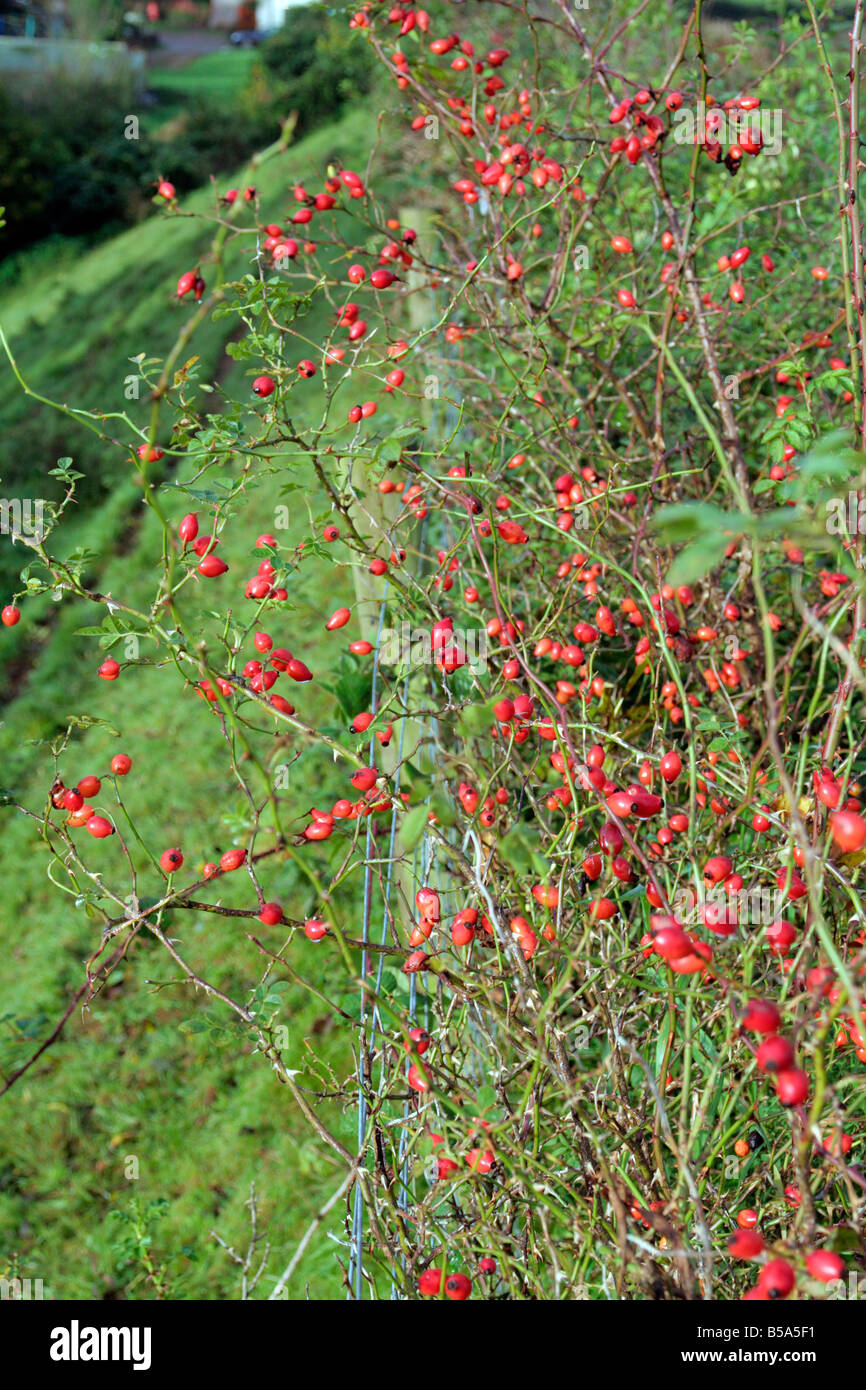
(249, 38)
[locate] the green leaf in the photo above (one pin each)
(474, 719)
(516, 851)
(684, 521)
(540, 865)
(443, 809)
(353, 689)
(486, 1098)
(697, 559)
(90, 721)
(662, 1042)
(413, 826)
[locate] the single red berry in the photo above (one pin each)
(745, 1244)
(458, 1287)
(775, 1054)
(382, 279)
(848, 830)
(188, 528)
(825, 1265)
(297, 670)
(10, 615)
(780, 937)
(170, 860)
(761, 1016)
(264, 386)
(318, 830)
(671, 766)
(338, 618)
(415, 961)
(430, 1282)
(212, 566)
(232, 859)
(792, 1086)
(776, 1278)
(120, 764)
(671, 943)
(462, 932)
(718, 868)
(99, 827)
(419, 1041)
(271, 914)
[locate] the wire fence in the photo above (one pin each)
(424, 856)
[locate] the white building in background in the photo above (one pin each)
(269, 13)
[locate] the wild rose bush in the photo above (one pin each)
(593, 450)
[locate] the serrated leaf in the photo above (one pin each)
(89, 721)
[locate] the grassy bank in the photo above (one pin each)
(144, 1121)
(220, 76)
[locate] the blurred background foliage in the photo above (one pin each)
(82, 177)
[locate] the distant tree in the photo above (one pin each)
(96, 19)
(313, 58)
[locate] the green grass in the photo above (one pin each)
(125, 1081)
(220, 76)
(74, 328)
(193, 1117)
(223, 74)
